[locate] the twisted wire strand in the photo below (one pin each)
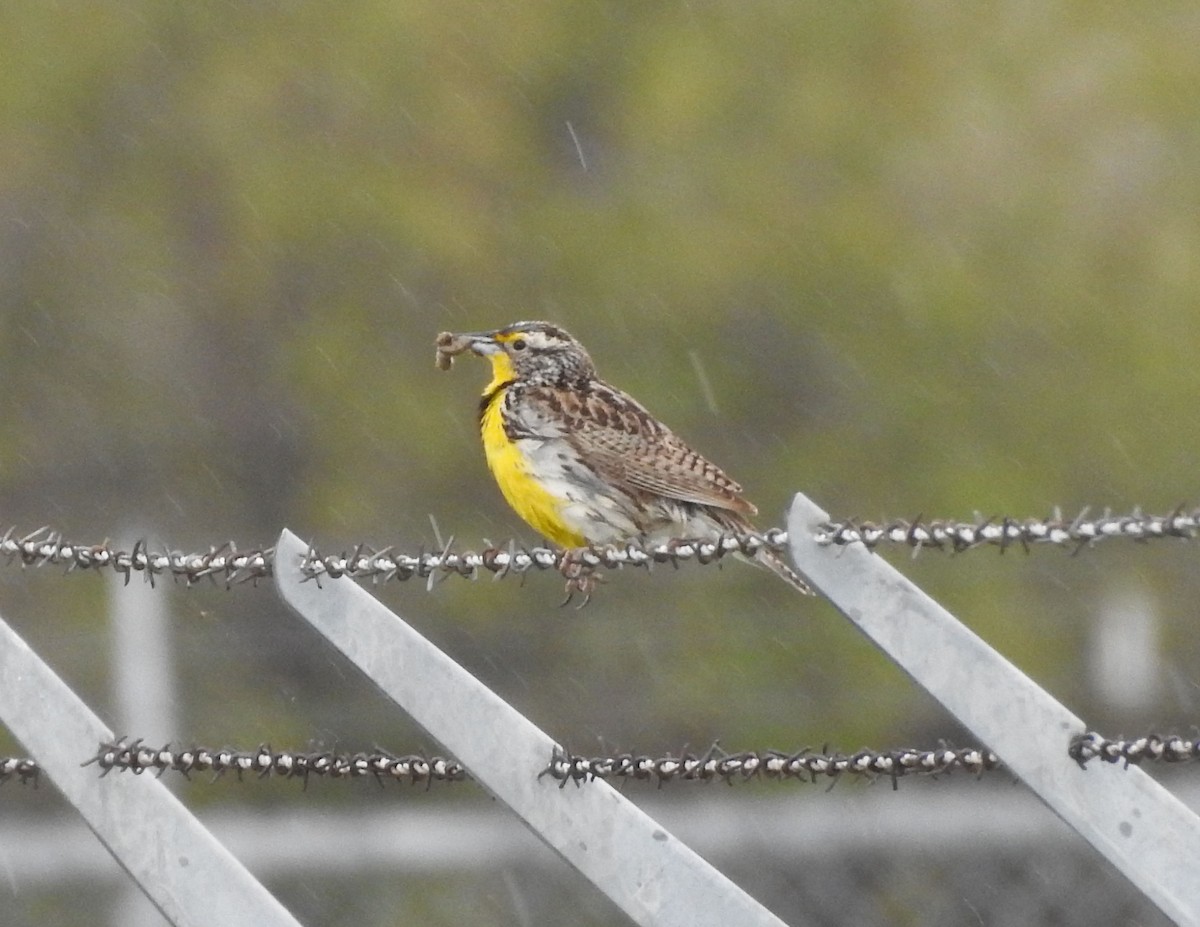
(714, 764)
(224, 562)
(227, 564)
(124, 755)
(1168, 748)
(134, 756)
(1005, 532)
(230, 565)
(772, 765)
(500, 561)
(19, 768)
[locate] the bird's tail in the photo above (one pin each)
(772, 561)
(767, 557)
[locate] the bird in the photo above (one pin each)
(583, 462)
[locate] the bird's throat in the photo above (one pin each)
(502, 372)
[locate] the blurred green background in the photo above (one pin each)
(909, 258)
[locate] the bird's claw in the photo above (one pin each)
(581, 577)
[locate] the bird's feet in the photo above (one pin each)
(580, 575)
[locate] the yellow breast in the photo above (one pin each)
(511, 469)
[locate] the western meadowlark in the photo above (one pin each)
(585, 463)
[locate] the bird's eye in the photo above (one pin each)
(519, 344)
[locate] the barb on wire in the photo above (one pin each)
(23, 769)
(134, 756)
(1005, 532)
(715, 764)
(1169, 748)
(223, 562)
(228, 564)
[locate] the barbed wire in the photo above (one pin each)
(134, 756)
(1005, 532)
(773, 765)
(714, 764)
(228, 564)
(224, 562)
(22, 769)
(1169, 748)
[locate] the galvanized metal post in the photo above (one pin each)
(1145, 831)
(646, 871)
(186, 873)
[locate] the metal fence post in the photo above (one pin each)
(1147, 833)
(190, 877)
(646, 871)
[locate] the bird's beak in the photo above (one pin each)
(482, 343)
(450, 345)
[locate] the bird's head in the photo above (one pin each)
(525, 351)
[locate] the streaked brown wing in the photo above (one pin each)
(631, 449)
